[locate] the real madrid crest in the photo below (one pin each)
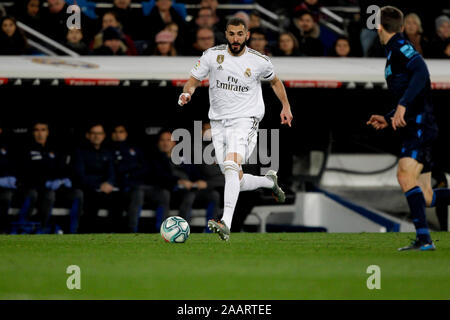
(220, 58)
(248, 73)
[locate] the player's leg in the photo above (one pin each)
(232, 170)
(239, 134)
(76, 199)
(251, 182)
(135, 203)
(408, 175)
(440, 197)
(45, 208)
(424, 182)
(218, 134)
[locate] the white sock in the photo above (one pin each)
(250, 182)
(231, 191)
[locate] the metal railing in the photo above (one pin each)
(45, 39)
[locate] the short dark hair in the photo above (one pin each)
(235, 21)
(257, 31)
(40, 121)
(302, 13)
(161, 132)
(116, 125)
(94, 124)
(391, 19)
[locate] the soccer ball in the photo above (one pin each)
(175, 229)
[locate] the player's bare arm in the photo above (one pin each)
(188, 91)
(280, 91)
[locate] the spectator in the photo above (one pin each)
(439, 44)
(7, 181)
(254, 20)
(75, 42)
(131, 20)
(110, 19)
(132, 177)
(259, 42)
(244, 16)
(187, 185)
(307, 32)
(179, 41)
(164, 41)
(219, 19)
(172, 27)
(204, 40)
(162, 14)
(94, 172)
(29, 12)
(55, 21)
(112, 44)
(206, 19)
(45, 177)
(341, 48)
(414, 33)
(12, 40)
(311, 6)
(287, 45)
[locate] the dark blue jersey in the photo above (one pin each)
(93, 167)
(7, 167)
(130, 164)
(41, 163)
(408, 79)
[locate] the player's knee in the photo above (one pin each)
(231, 166)
(406, 179)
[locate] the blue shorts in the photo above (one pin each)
(418, 144)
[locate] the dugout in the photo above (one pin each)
(331, 99)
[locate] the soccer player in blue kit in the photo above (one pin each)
(408, 79)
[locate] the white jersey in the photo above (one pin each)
(234, 82)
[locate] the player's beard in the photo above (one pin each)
(236, 52)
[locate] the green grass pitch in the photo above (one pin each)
(250, 266)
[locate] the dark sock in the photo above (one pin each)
(416, 202)
(441, 197)
(441, 200)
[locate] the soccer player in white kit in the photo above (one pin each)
(236, 108)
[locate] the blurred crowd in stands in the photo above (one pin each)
(163, 28)
(104, 170)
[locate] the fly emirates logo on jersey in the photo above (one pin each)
(232, 84)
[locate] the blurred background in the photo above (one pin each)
(87, 115)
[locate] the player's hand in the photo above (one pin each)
(186, 184)
(201, 184)
(378, 122)
(184, 98)
(286, 116)
(398, 120)
(106, 188)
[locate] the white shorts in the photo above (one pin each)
(234, 136)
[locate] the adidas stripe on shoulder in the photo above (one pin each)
(250, 50)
